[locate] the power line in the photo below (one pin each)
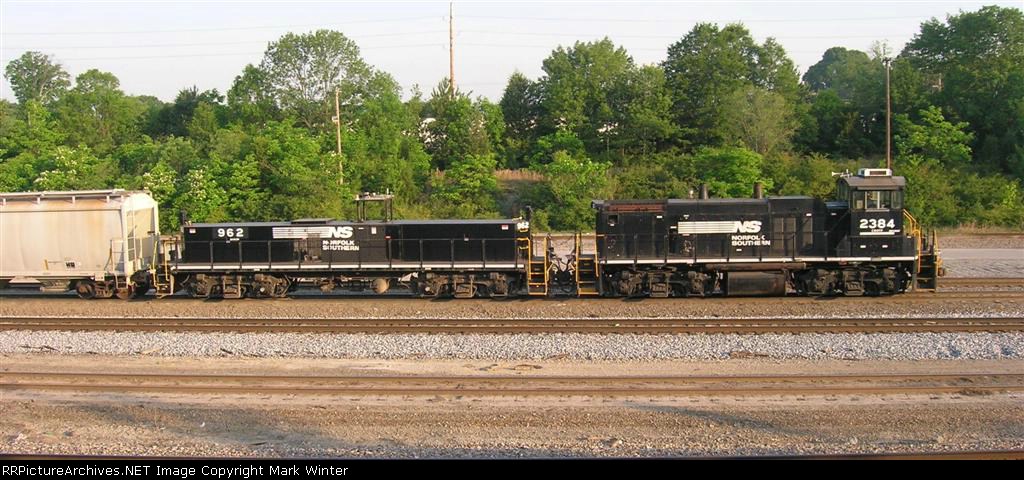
(675, 20)
(219, 29)
(206, 44)
(187, 55)
(662, 36)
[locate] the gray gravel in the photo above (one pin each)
(892, 346)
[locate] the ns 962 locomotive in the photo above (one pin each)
(861, 243)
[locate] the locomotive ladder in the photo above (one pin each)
(536, 268)
(163, 281)
(928, 267)
(587, 269)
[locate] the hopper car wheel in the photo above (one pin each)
(86, 289)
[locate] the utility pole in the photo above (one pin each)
(888, 117)
(451, 48)
(337, 131)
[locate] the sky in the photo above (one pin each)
(161, 47)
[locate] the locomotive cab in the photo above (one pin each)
(868, 216)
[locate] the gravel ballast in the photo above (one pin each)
(889, 346)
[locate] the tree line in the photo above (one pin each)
(722, 110)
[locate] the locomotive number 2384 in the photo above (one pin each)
(877, 223)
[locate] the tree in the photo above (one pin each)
(571, 183)
(455, 127)
(644, 108)
(976, 60)
(520, 107)
(758, 119)
(301, 180)
(841, 70)
(382, 149)
(576, 91)
(848, 103)
(933, 139)
(731, 172)
(201, 198)
(467, 188)
(174, 119)
(708, 64)
(300, 73)
(35, 76)
(97, 113)
(251, 99)
(73, 169)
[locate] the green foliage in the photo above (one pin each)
(301, 180)
(760, 120)
(708, 64)
(35, 77)
(561, 140)
(72, 169)
(96, 113)
(976, 61)
(456, 128)
(809, 175)
(933, 139)
(383, 152)
(571, 184)
(730, 172)
(668, 174)
(520, 107)
(301, 73)
(467, 188)
(847, 103)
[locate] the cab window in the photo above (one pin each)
(877, 200)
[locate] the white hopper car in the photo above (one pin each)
(89, 241)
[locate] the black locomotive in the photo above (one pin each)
(857, 244)
(863, 242)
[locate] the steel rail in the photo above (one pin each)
(985, 281)
(534, 385)
(651, 325)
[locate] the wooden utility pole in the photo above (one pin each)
(451, 48)
(337, 131)
(888, 117)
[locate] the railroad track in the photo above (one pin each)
(527, 385)
(307, 294)
(648, 325)
(980, 281)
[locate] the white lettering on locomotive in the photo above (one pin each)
(737, 226)
(339, 246)
(339, 232)
(313, 232)
(750, 241)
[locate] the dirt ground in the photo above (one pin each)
(467, 426)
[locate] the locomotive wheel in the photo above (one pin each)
(140, 290)
(86, 289)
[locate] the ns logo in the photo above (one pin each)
(750, 226)
(339, 232)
